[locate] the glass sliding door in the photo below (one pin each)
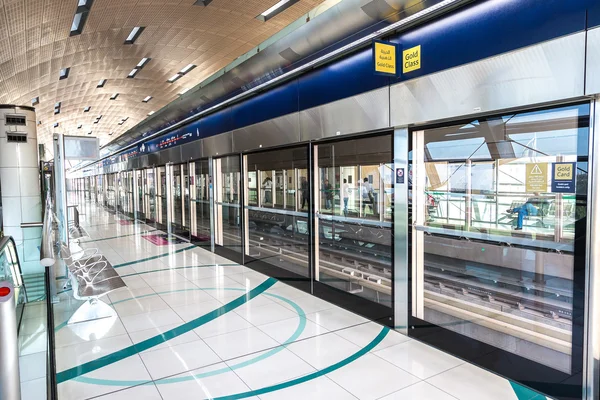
(200, 202)
(180, 201)
(140, 210)
(110, 200)
(150, 200)
(161, 197)
(277, 229)
(353, 187)
(498, 211)
(228, 231)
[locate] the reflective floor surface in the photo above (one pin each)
(193, 325)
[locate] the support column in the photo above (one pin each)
(20, 183)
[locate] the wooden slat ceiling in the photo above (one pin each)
(35, 45)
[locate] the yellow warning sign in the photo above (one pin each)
(385, 58)
(536, 177)
(411, 59)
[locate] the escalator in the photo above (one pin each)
(10, 270)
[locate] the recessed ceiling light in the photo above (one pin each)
(203, 3)
(79, 126)
(64, 73)
(174, 78)
(110, 134)
(114, 96)
(87, 109)
(35, 101)
(56, 111)
(39, 122)
(57, 105)
(81, 14)
(151, 112)
(143, 62)
(187, 69)
(101, 83)
(183, 91)
(276, 9)
(134, 34)
(56, 124)
(147, 99)
(124, 119)
(133, 73)
(89, 133)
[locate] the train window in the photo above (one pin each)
(277, 230)
(353, 197)
(495, 204)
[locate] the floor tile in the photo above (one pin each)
(336, 318)
(324, 350)
(32, 366)
(128, 293)
(418, 359)
(282, 365)
(179, 358)
(264, 314)
(229, 322)
(240, 343)
(140, 306)
(191, 387)
(363, 334)
(382, 377)
(34, 389)
(197, 273)
(34, 310)
(89, 331)
(135, 282)
(419, 391)
(468, 382)
(321, 388)
(186, 297)
(284, 330)
(149, 320)
(30, 344)
(140, 336)
(192, 311)
(142, 392)
(31, 326)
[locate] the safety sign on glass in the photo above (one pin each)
(384, 58)
(563, 177)
(400, 175)
(536, 177)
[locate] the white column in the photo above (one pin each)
(20, 184)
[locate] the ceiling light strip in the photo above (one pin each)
(430, 12)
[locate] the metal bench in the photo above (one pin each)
(91, 276)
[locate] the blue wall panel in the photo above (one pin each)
(216, 123)
(274, 103)
(344, 78)
(489, 28)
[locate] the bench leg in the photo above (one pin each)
(92, 310)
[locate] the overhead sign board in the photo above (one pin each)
(563, 177)
(81, 148)
(384, 58)
(536, 177)
(411, 59)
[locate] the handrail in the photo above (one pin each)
(51, 388)
(17, 274)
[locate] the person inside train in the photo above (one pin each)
(304, 190)
(367, 195)
(345, 196)
(532, 207)
(328, 192)
(267, 187)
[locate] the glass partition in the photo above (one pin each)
(140, 209)
(200, 199)
(180, 200)
(150, 199)
(496, 205)
(276, 229)
(228, 232)
(353, 198)
(161, 197)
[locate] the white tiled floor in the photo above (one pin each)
(261, 343)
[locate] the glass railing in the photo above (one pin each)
(10, 270)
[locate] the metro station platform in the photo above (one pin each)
(193, 325)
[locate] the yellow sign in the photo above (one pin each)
(385, 58)
(563, 172)
(536, 177)
(411, 59)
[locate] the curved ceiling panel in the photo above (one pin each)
(37, 43)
